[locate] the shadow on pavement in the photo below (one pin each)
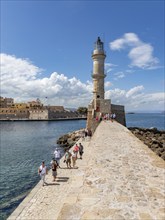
(52, 184)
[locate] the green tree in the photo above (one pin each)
(82, 110)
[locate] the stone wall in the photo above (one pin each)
(120, 113)
(38, 114)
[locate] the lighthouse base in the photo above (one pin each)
(98, 108)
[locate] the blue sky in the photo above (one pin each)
(46, 51)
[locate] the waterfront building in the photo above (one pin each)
(14, 114)
(35, 104)
(6, 102)
(21, 105)
(38, 114)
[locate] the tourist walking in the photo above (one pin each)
(86, 134)
(83, 135)
(54, 166)
(42, 171)
(74, 158)
(89, 134)
(76, 148)
(57, 156)
(81, 150)
(68, 156)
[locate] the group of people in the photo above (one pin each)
(86, 134)
(69, 158)
(106, 117)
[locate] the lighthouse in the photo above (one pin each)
(99, 106)
(98, 75)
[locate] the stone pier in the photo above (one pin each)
(119, 178)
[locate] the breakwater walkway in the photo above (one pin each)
(119, 178)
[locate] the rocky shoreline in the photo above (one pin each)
(68, 140)
(153, 138)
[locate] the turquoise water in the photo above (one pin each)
(25, 144)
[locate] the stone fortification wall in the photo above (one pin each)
(13, 113)
(38, 114)
(63, 114)
(120, 113)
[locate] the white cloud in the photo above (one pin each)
(23, 81)
(141, 57)
(135, 99)
(108, 84)
(109, 67)
(119, 75)
(128, 39)
(140, 54)
(134, 91)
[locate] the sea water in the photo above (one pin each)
(24, 144)
(146, 120)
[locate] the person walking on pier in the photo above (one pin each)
(42, 171)
(57, 156)
(81, 148)
(76, 148)
(54, 166)
(68, 156)
(89, 133)
(74, 158)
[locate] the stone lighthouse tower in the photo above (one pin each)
(98, 106)
(98, 75)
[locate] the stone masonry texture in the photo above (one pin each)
(119, 178)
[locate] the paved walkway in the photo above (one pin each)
(119, 178)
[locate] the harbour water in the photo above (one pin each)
(25, 144)
(146, 120)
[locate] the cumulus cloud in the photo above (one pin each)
(107, 84)
(140, 54)
(134, 91)
(135, 99)
(23, 81)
